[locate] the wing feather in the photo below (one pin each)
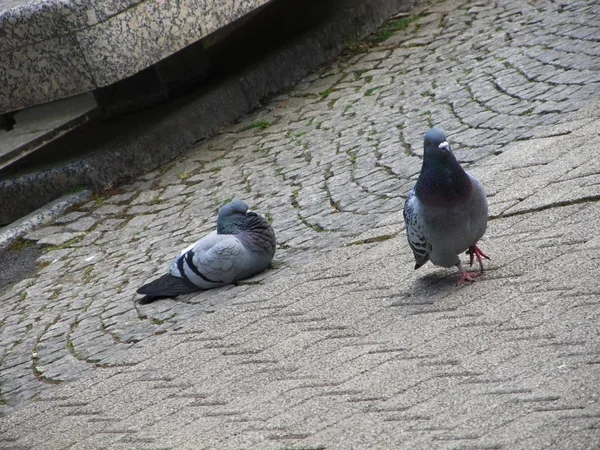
(212, 261)
(219, 261)
(417, 240)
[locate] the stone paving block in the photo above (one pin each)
(342, 344)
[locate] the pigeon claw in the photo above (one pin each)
(467, 276)
(474, 251)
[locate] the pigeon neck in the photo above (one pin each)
(240, 224)
(227, 227)
(443, 183)
(253, 231)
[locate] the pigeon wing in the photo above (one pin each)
(414, 231)
(213, 261)
(222, 261)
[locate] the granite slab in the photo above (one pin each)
(59, 48)
(43, 72)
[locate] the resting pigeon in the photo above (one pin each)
(446, 211)
(242, 246)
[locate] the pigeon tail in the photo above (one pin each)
(167, 286)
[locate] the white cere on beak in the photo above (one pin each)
(444, 145)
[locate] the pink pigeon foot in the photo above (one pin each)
(466, 276)
(476, 251)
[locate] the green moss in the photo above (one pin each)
(385, 168)
(428, 119)
(314, 226)
(389, 28)
(157, 321)
(527, 112)
(295, 195)
(323, 95)
(156, 200)
(76, 189)
(98, 200)
(87, 274)
(353, 42)
(20, 244)
(64, 245)
(428, 94)
(369, 92)
(260, 125)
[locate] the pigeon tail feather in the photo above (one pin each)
(168, 286)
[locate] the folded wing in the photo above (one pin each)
(414, 231)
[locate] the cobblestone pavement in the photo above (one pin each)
(341, 344)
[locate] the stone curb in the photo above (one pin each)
(40, 217)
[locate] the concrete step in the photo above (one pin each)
(36, 127)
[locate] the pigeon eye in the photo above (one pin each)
(429, 143)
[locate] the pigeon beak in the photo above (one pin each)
(445, 146)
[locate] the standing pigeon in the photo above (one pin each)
(242, 246)
(446, 211)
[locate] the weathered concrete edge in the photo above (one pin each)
(47, 136)
(154, 137)
(40, 217)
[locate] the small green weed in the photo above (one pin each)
(389, 28)
(260, 125)
(20, 244)
(156, 200)
(98, 200)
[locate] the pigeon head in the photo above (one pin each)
(442, 180)
(233, 208)
(235, 217)
(436, 146)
